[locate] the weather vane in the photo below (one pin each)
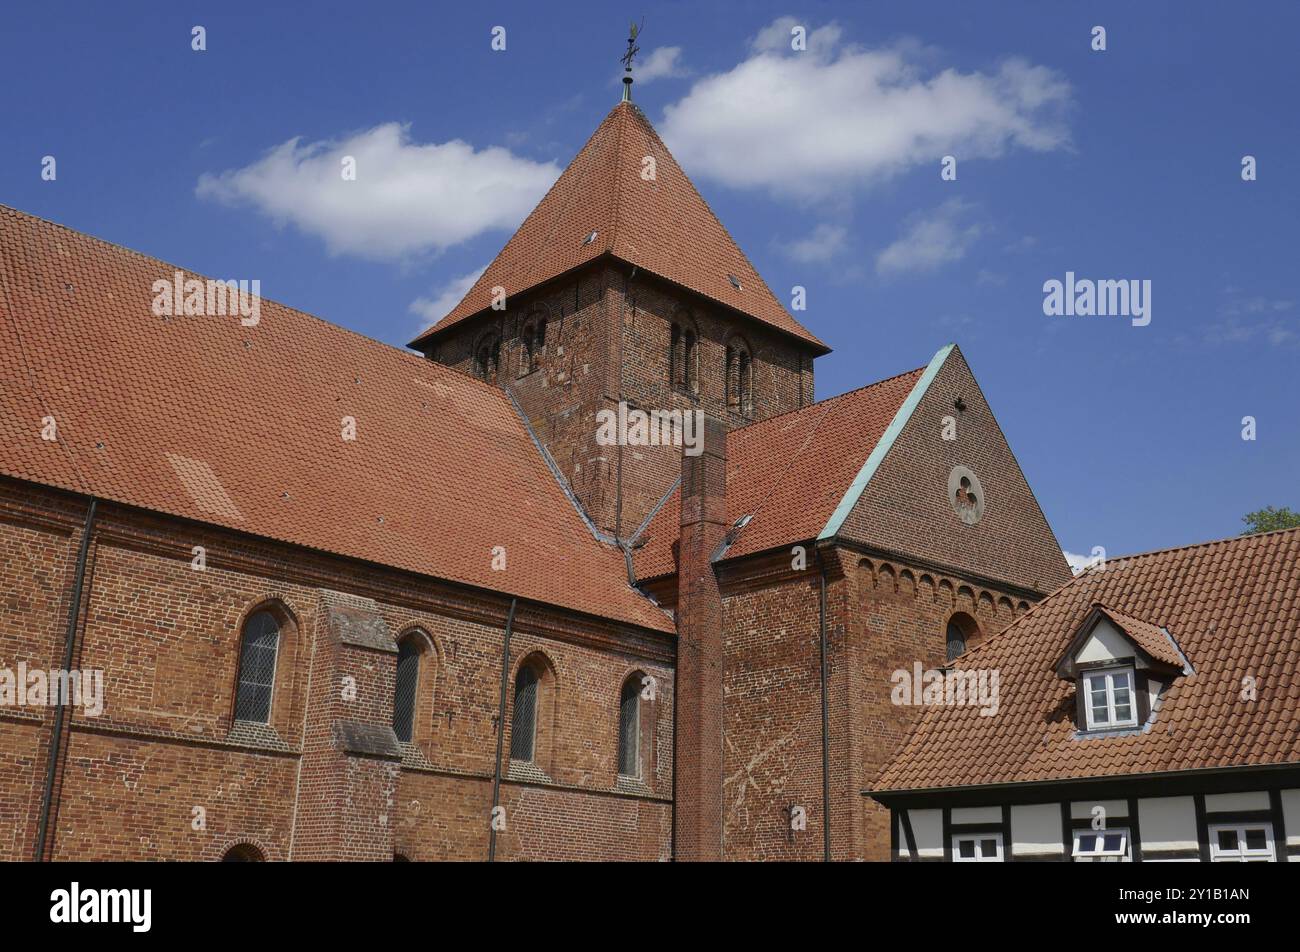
(633, 32)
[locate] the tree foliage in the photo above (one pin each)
(1269, 518)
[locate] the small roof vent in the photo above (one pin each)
(590, 238)
(735, 282)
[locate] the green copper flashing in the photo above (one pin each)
(882, 446)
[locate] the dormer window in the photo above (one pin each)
(1108, 699)
(1120, 666)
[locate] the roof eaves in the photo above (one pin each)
(885, 793)
(818, 348)
(884, 444)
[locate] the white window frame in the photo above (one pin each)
(979, 856)
(1101, 854)
(1107, 676)
(1242, 854)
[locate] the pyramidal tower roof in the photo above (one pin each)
(658, 223)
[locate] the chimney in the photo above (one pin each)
(697, 755)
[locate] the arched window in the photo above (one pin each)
(729, 378)
(486, 358)
(739, 378)
(683, 357)
(243, 853)
(523, 725)
(746, 384)
(261, 642)
(690, 361)
(533, 339)
(629, 728)
(962, 630)
(675, 356)
(956, 641)
(408, 679)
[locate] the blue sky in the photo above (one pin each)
(1122, 164)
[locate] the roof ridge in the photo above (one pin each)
(615, 198)
(1090, 574)
(502, 250)
(826, 400)
(1112, 610)
(405, 352)
(1223, 540)
(725, 230)
(506, 245)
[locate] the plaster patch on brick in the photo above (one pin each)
(744, 777)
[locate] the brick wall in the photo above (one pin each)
(881, 616)
(167, 639)
(608, 338)
(906, 508)
(773, 711)
(888, 616)
(38, 546)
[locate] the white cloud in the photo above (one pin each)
(822, 244)
(932, 239)
(1246, 319)
(1022, 245)
(840, 116)
(778, 36)
(434, 309)
(407, 198)
(663, 62)
(1077, 562)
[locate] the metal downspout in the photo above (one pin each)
(826, 717)
(69, 647)
(501, 733)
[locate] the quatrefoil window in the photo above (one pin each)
(965, 495)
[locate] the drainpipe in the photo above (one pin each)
(501, 732)
(826, 717)
(69, 647)
(677, 666)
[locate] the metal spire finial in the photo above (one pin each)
(632, 49)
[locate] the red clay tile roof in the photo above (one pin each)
(1150, 638)
(1234, 608)
(662, 226)
(788, 472)
(241, 427)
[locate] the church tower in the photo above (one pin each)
(622, 287)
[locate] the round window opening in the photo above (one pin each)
(965, 495)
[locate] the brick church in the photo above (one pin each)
(349, 601)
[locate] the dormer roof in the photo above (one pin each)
(1152, 646)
